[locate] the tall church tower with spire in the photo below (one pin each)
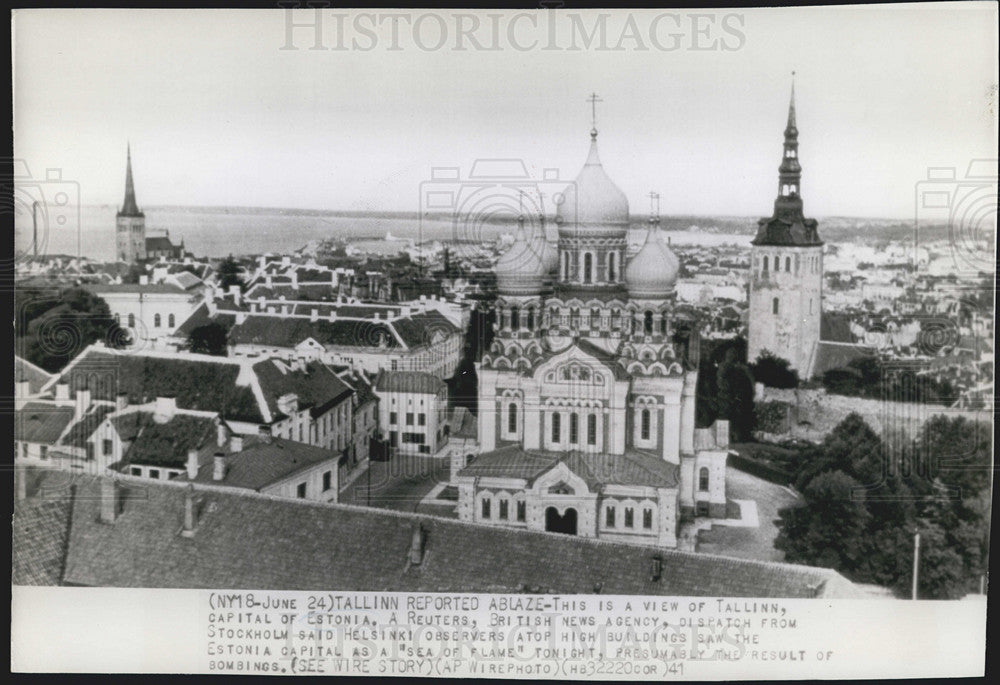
(786, 270)
(131, 223)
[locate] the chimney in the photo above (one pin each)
(218, 466)
(21, 478)
(267, 281)
(295, 278)
(22, 389)
(417, 545)
(190, 515)
(220, 434)
(121, 401)
(110, 500)
(655, 569)
(313, 315)
(241, 318)
(82, 403)
(192, 464)
(62, 392)
(333, 315)
(262, 261)
(234, 290)
(144, 279)
(236, 443)
(286, 261)
(164, 409)
(405, 312)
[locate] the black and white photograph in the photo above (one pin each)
(550, 343)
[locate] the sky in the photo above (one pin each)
(235, 108)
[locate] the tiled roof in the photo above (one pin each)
(167, 444)
(835, 328)
(26, 371)
(149, 288)
(186, 279)
(306, 291)
(408, 381)
(200, 317)
(632, 468)
(289, 332)
(40, 537)
(831, 355)
(40, 422)
(249, 541)
(261, 464)
(780, 232)
(159, 243)
(80, 431)
(200, 384)
(316, 385)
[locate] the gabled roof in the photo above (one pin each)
(316, 385)
(276, 331)
(833, 355)
(159, 243)
(249, 541)
(26, 371)
(40, 530)
(41, 422)
(80, 432)
(167, 444)
(260, 464)
(632, 468)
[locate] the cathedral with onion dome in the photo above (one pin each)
(587, 393)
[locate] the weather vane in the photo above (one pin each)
(593, 100)
(654, 204)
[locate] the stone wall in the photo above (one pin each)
(813, 413)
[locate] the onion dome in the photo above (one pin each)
(521, 270)
(593, 204)
(652, 273)
(548, 251)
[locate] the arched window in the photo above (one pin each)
(556, 428)
(156, 320)
(647, 319)
(503, 509)
(703, 479)
(574, 428)
(629, 517)
(531, 318)
(647, 518)
(171, 321)
(486, 508)
(131, 320)
(616, 319)
(663, 326)
(647, 419)
(512, 418)
(565, 266)
(788, 263)
(515, 318)
(588, 267)
(765, 262)
(595, 318)
(774, 306)
(612, 270)
(591, 429)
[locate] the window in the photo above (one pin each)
(774, 306)
(788, 263)
(300, 491)
(135, 471)
(531, 318)
(171, 321)
(588, 267)
(703, 479)
(574, 428)
(409, 418)
(609, 517)
(629, 517)
(45, 451)
(486, 508)
(647, 322)
(565, 265)
(394, 365)
(522, 513)
(503, 509)
(556, 428)
(327, 480)
(156, 320)
(591, 429)
(154, 474)
(663, 326)
(765, 262)
(393, 418)
(131, 320)
(646, 421)
(106, 447)
(611, 267)
(512, 418)
(647, 518)
(421, 419)
(515, 318)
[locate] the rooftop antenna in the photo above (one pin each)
(593, 100)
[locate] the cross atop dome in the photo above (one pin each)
(593, 100)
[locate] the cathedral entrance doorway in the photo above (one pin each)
(554, 523)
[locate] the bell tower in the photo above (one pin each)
(130, 234)
(786, 269)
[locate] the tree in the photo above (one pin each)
(735, 397)
(229, 273)
(58, 333)
(774, 371)
(211, 338)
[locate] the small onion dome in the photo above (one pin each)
(522, 268)
(593, 204)
(652, 273)
(548, 251)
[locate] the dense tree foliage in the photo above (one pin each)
(874, 379)
(863, 502)
(774, 372)
(209, 339)
(53, 328)
(229, 273)
(725, 388)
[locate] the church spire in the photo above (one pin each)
(790, 127)
(790, 173)
(129, 206)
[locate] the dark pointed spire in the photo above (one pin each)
(129, 206)
(790, 128)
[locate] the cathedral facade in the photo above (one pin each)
(587, 394)
(786, 270)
